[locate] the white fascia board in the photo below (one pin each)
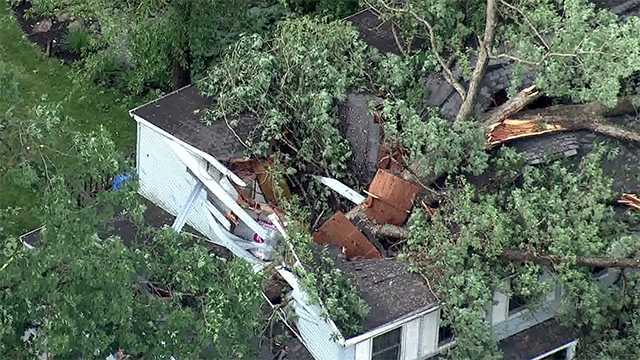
(218, 215)
(390, 325)
(228, 240)
(342, 189)
(217, 190)
(210, 159)
(292, 280)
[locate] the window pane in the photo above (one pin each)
(390, 354)
(387, 346)
(445, 332)
(517, 303)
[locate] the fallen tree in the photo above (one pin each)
(553, 260)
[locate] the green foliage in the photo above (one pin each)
(325, 284)
(553, 210)
(588, 52)
(577, 51)
(435, 145)
(9, 91)
(158, 43)
(32, 76)
(335, 9)
(77, 41)
(40, 147)
(89, 295)
(292, 82)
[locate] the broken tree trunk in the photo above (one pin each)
(506, 123)
(551, 260)
(469, 101)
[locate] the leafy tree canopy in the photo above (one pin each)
(577, 51)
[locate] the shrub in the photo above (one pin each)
(77, 41)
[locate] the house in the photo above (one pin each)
(200, 174)
(191, 170)
(183, 167)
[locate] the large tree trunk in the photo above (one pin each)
(551, 260)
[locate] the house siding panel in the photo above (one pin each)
(411, 339)
(165, 181)
(316, 332)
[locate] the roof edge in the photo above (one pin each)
(392, 324)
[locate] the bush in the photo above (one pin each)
(336, 9)
(77, 41)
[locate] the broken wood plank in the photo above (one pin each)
(631, 200)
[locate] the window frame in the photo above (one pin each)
(400, 344)
(450, 341)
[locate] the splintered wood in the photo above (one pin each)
(631, 200)
(515, 129)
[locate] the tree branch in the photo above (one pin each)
(446, 69)
(466, 109)
(552, 260)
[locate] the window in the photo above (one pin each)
(598, 272)
(560, 355)
(387, 346)
(517, 303)
(445, 333)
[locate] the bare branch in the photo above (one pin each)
(529, 23)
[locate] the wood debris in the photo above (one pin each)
(340, 232)
(630, 200)
(390, 198)
(508, 129)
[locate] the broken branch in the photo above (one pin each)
(502, 125)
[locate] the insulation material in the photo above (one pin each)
(390, 198)
(516, 129)
(340, 232)
(630, 200)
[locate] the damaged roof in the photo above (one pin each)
(180, 114)
(389, 288)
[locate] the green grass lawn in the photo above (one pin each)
(89, 106)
